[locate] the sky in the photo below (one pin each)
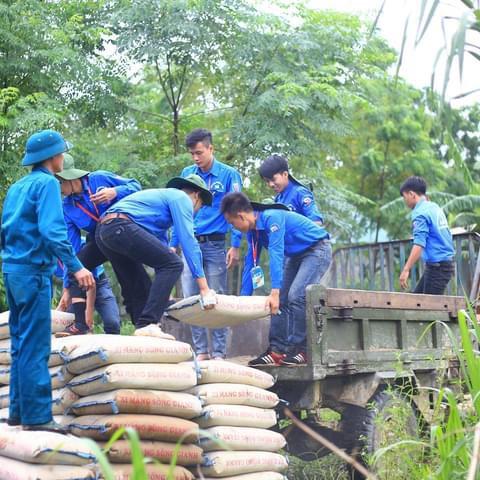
(417, 66)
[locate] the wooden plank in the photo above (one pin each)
(382, 268)
(393, 300)
(371, 268)
(390, 256)
(361, 269)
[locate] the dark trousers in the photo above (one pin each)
(435, 278)
(91, 257)
(127, 245)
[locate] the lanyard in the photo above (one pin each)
(95, 218)
(255, 249)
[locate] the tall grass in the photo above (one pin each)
(453, 444)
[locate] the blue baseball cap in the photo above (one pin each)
(43, 145)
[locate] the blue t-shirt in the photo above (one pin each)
(220, 179)
(430, 231)
(158, 209)
(299, 199)
(283, 234)
(34, 234)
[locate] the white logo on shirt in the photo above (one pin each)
(307, 201)
(274, 228)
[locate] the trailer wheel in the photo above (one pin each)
(389, 418)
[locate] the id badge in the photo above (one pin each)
(258, 278)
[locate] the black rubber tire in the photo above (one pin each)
(364, 424)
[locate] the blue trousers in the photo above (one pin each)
(288, 328)
(215, 266)
(29, 301)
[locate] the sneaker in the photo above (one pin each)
(218, 358)
(13, 422)
(202, 356)
(294, 360)
(267, 359)
(71, 330)
(51, 426)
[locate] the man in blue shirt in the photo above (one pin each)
(33, 237)
(134, 231)
(289, 191)
(87, 195)
(432, 240)
(210, 231)
(299, 255)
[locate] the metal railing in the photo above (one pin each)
(377, 266)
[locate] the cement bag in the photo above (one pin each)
(16, 470)
(153, 402)
(213, 371)
(64, 420)
(154, 472)
(62, 399)
(4, 328)
(188, 455)
(135, 375)
(58, 375)
(236, 416)
(149, 427)
(43, 447)
(241, 438)
(230, 310)
(235, 394)
(61, 320)
(222, 464)
(4, 396)
(56, 355)
(108, 349)
(254, 476)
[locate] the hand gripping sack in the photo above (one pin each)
(222, 464)
(15, 470)
(235, 394)
(43, 447)
(161, 376)
(187, 455)
(241, 438)
(108, 349)
(213, 371)
(230, 310)
(154, 472)
(236, 416)
(148, 427)
(152, 402)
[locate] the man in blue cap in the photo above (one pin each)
(210, 231)
(288, 190)
(432, 240)
(87, 195)
(33, 237)
(299, 255)
(134, 231)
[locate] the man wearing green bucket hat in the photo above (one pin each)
(87, 195)
(33, 237)
(134, 231)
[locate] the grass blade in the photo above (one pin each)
(427, 21)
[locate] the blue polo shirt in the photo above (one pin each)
(283, 234)
(76, 206)
(158, 209)
(220, 179)
(33, 232)
(299, 199)
(430, 231)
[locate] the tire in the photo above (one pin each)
(389, 418)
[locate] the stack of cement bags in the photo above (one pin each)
(62, 397)
(237, 413)
(137, 382)
(27, 455)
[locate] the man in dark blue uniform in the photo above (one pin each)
(87, 195)
(134, 231)
(33, 237)
(289, 191)
(305, 248)
(210, 231)
(432, 240)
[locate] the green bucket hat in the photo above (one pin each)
(69, 171)
(193, 182)
(268, 204)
